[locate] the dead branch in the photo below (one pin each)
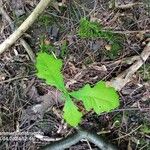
(24, 26)
(127, 6)
(123, 78)
(28, 49)
(22, 41)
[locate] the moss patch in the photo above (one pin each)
(90, 30)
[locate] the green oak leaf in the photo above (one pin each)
(49, 68)
(100, 98)
(71, 113)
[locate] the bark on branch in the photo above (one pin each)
(22, 41)
(24, 26)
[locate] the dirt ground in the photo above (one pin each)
(85, 61)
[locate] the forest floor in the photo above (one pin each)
(86, 60)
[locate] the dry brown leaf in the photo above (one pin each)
(108, 47)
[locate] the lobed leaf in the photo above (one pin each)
(49, 68)
(71, 113)
(100, 98)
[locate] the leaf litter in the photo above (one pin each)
(135, 95)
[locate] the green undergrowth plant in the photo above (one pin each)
(88, 30)
(100, 98)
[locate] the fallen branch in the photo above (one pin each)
(22, 41)
(122, 79)
(24, 26)
(28, 49)
(126, 6)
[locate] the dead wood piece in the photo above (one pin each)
(127, 6)
(28, 49)
(24, 26)
(22, 41)
(122, 79)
